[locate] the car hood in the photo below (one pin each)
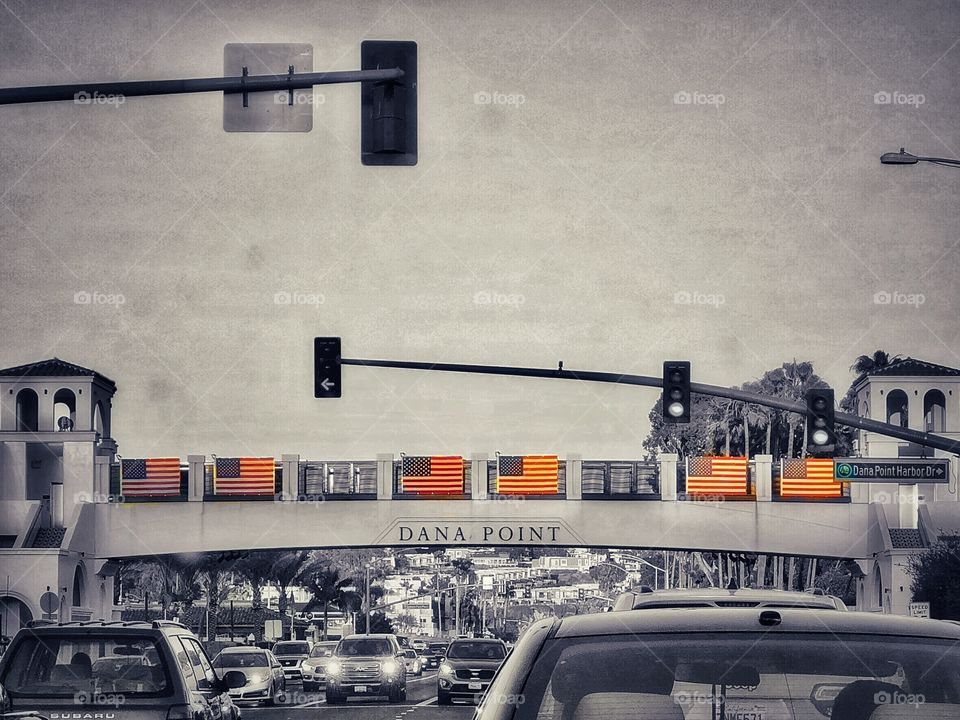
(362, 658)
(474, 662)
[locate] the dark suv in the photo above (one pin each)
(147, 671)
(737, 663)
(367, 665)
(467, 669)
(434, 654)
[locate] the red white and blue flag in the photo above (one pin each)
(809, 477)
(432, 474)
(528, 474)
(717, 475)
(244, 476)
(150, 477)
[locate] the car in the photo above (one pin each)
(265, 679)
(419, 645)
(648, 599)
(291, 654)
(413, 662)
(434, 654)
(742, 663)
(468, 668)
(367, 665)
(153, 670)
(314, 667)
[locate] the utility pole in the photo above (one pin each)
(456, 611)
(366, 594)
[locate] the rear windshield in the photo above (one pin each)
(240, 660)
(364, 647)
(85, 666)
(291, 648)
(476, 650)
(699, 676)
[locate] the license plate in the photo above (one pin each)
(474, 686)
(360, 688)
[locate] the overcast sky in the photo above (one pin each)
(607, 183)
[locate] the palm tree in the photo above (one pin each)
(287, 570)
(257, 569)
(327, 588)
(868, 363)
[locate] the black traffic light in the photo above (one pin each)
(821, 436)
(326, 367)
(676, 391)
(581, 595)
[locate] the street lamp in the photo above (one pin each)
(905, 158)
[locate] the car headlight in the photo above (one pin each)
(390, 667)
(333, 668)
(256, 677)
(309, 667)
(446, 668)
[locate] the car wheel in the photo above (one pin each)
(394, 696)
(403, 693)
(443, 698)
(281, 696)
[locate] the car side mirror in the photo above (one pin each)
(234, 679)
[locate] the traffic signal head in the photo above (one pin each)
(676, 391)
(821, 436)
(326, 367)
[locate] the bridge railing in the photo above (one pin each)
(338, 479)
(620, 480)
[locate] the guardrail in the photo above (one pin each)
(620, 480)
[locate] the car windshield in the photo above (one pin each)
(241, 660)
(412, 654)
(699, 676)
(438, 647)
(364, 647)
(476, 650)
(291, 648)
(45, 665)
(323, 650)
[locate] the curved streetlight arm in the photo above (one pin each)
(241, 84)
(938, 442)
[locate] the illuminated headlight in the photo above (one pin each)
(256, 678)
(333, 668)
(446, 669)
(390, 667)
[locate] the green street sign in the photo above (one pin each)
(894, 470)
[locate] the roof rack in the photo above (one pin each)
(168, 623)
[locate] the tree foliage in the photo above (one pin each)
(935, 577)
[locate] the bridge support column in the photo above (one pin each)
(763, 477)
(101, 478)
(574, 476)
(668, 476)
(384, 476)
(291, 477)
(195, 465)
(478, 476)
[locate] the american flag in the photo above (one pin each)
(717, 475)
(528, 474)
(432, 474)
(809, 477)
(150, 477)
(244, 476)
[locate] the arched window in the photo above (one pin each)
(28, 415)
(64, 406)
(934, 411)
(897, 408)
(14, 614)
(78, 587)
